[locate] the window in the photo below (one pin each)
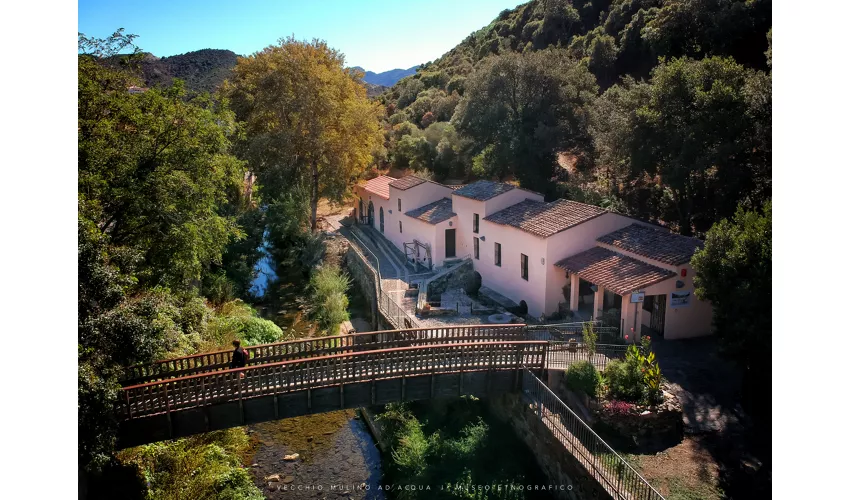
(399, 227)
(524, 265)
(498, 247)
(475, 246)
(474, 223)
(399, 204)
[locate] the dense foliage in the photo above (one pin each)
(202, 466)
(680, 133)
(734, 272)
(202, 70)
(161, 211)
(444, 444)
(155, 173)
(583, 377)
(637, 378)
(328, 285)
(308, 123)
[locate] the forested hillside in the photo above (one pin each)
(656, 108)
(201, 70)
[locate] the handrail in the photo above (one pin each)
(260, 354)
(619, 478)
(333, 356)
(166, 396)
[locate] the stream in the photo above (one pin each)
(336, 455)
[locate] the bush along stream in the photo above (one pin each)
(454, 448)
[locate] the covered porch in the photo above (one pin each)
(612, 278)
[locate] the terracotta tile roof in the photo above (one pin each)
(614, 271)
(380, 186)
(407, 182)
(483, 190)
(655, 244)
(545, 219)
(433, 213)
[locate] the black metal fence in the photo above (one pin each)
(563, 354)
(618, 478)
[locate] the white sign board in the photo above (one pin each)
(680, 299)
(637, 297)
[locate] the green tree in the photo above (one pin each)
(154, 170)
(734, 271)
(528, 107)
(691, 143)
(307, 119)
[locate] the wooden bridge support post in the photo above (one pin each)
(460, 372)
(167, 410)
(241, 405)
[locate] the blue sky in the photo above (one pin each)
(376, 34)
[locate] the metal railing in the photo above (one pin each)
(564, 354)
(394, 313)
(604, 464)
(573, 330)
(318, 346)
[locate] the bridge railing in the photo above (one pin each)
(297, 349)
(618, 478)
(175, 394)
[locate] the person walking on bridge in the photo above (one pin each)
(239, 358)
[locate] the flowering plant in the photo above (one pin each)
(620, 407)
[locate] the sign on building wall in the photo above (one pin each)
(637, 297)
(680, 299)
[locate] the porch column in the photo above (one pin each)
(631, 317)
(574, 279)
(598, 299)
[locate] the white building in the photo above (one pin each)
(591, 260)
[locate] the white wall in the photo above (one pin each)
(417, 196)
(464, 208)
(693, 320)
(377, 202)
(507, 279)
(507, 199)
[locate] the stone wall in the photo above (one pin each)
(459, 276)
(364, 278)
(569, 477)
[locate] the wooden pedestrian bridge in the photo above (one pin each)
(179, 397)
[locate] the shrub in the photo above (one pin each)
(590, 336)
(584, 377)
(260, 331)
(624, 380)
(330, 304)
(412, 449)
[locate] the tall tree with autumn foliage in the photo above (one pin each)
(308, 122)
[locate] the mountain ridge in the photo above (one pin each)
(386, 78)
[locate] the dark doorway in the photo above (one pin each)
(371, 216)
(656, 306)
(450, 243)
(382, 219)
